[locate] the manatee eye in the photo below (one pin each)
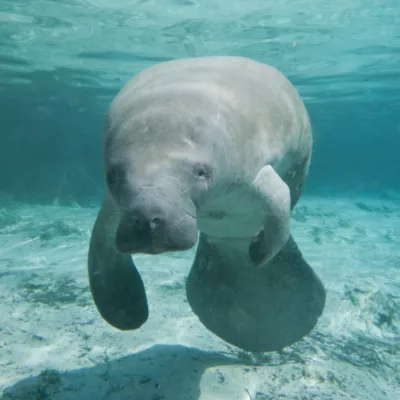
(115, 175)
(202, 171)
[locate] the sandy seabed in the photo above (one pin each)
(54, 344)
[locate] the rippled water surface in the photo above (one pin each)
(342, 48)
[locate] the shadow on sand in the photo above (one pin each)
(162, 372)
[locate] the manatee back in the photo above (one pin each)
(262, 117)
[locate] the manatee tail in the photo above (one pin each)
(115, 283)
(255, 309)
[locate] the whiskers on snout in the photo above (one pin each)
(154, 219)
(155, 233)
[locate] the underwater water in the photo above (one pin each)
(61, 64)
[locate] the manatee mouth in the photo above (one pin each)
(154, 223)
(131, 242)
(146, 238)
(135, 248)
(151, 249)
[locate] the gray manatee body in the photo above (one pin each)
(220, 146)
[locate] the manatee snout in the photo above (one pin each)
(155, 224)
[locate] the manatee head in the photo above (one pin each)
(158, 170)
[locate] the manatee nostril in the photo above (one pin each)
(156, 222)
(137, 223)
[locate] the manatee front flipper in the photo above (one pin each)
(115, 283)
(274, 195)
(255, 309)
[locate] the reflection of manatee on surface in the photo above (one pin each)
(219, 145)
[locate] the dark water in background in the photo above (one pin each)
(61, 63)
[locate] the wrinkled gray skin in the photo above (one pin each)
(219, 145)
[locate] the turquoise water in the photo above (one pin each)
(61, 64)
